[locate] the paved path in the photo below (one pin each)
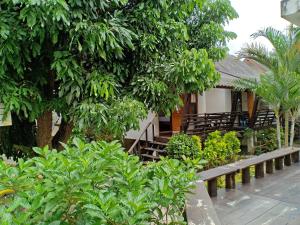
(273, 200)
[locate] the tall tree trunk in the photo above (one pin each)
(63, 135)
(44, 130)
(286, 129)
(292, 135)
(278, 131)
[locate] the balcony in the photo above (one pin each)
(290, 10)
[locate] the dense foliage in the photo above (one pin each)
(94, 183)
(221, 149)
(182, 145)
(266, 141)
(92, 61)
(217, 149)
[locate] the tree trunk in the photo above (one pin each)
(63, 135)
(44, 130)
(278, 131)
(286, 129)
(186, 107)
(292, 135)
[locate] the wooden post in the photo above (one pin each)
(153, 132)
(259, 170)
(270, 166)
(279, 163)
(250, 103)
(147, 142)
(288, 160)
(246, 175)
(212, 187)
(295, 157)
(230, 181)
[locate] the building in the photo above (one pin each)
(290, 10)
(219, 108)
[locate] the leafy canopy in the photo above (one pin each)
(82, 58)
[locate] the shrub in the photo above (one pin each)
(220, 149)
(182, 145)
(233, 145)
(95, 183)
(214, 151)
(266, 141)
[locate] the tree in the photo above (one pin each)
(102, 64)
(292, 102)
(282, 62)
(270, 91)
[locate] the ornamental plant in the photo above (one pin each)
(266, 140)
(94, 183)
(182, 145)
(220, 149)
(233, 145)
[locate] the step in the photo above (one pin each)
(154, 150)
(159, 143)
(146, 156)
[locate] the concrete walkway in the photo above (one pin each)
(273, 200)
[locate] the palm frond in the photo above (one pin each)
(260, 54)
(246, 84)
(277, 38)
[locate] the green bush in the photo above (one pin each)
(266, 141)
(220, 149)
(95, 183)
(182, 145)
(233, 145)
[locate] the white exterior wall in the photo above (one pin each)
(7, 121)
(215, 100)
(135, 134)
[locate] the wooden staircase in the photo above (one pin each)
(152, 151)
(148, 147)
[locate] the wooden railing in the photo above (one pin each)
(262, 119)
(202, 124)
(143, 138)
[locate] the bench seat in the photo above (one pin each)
(282, 156)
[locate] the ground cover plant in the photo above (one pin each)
(95, 183)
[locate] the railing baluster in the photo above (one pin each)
(147, 142)
(153, 132)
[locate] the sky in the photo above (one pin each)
(254, 15)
